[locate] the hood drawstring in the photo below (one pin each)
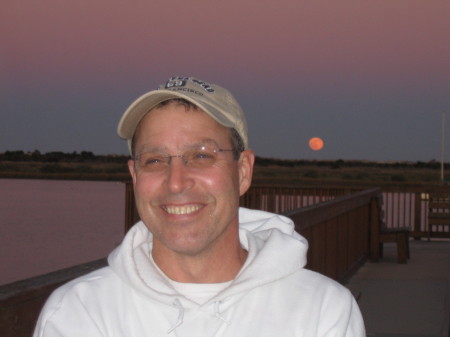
(180, 318)
(217, 312)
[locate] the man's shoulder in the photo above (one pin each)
(74, 305)
(306, 281)
(94, 282)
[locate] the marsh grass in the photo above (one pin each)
(365, 174)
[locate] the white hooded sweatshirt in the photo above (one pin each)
(272, 296)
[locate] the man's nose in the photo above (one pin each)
(179, 177)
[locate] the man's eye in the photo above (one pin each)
(203, 155)
(149, 161)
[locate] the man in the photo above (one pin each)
(197, 264)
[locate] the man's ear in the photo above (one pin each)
(132, 170)
(245, 164)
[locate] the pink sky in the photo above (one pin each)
(287, 38)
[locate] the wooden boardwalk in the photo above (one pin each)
(406, 300)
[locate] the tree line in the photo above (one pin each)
(340, 163)
(60, 157)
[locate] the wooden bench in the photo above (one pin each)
(438, 211)
(381, 234)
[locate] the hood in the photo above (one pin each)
(275, 251)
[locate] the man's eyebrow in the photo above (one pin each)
(205, 141)
(164, 149)
(147, 148)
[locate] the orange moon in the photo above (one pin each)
(316, 143)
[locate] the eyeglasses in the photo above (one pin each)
(201, 157)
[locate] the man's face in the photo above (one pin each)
(189, 210)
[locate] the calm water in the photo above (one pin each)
(47, 225)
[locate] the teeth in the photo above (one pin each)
(181, 210)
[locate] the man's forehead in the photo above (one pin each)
(159, 128)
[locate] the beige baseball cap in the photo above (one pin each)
(216, 101)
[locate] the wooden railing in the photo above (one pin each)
(403, 205)
(279, 199)
(338, 232)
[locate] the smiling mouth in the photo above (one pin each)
(182, 210)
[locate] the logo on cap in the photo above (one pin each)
(177, 82)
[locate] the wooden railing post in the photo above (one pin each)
(131, 214)
(417, 214)
(374, 230)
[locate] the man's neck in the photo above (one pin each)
(209, 267)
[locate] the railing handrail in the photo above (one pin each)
(21, 301)
(9, 292)
(399, 187)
